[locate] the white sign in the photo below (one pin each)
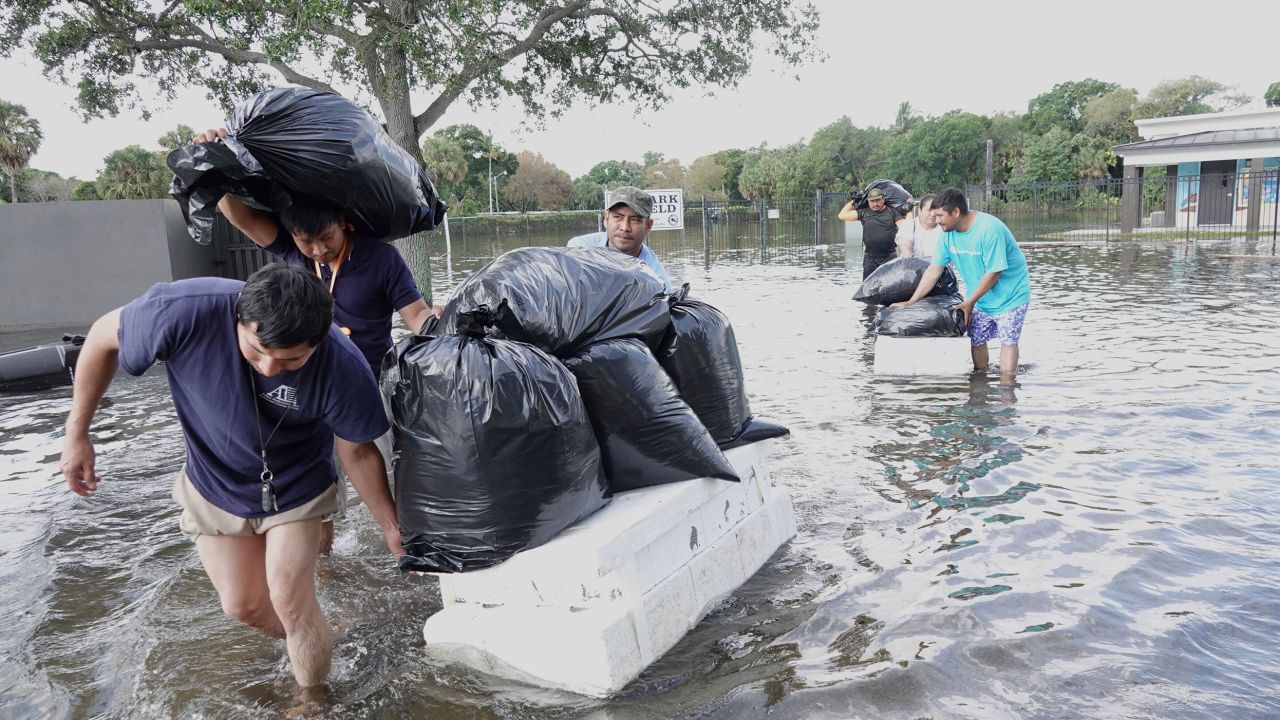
(774, 213)
(668, 208)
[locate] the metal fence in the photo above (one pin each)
(1205, 206)
(1211, 205)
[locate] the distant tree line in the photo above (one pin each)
(1066, 133)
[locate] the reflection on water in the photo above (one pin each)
(1096, 540)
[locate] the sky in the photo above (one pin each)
(984, 56)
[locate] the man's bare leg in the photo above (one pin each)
(291, 564)
(1008, 364)
(237, 567)
(981, 358)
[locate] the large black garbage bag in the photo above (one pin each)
(647, 434)
(496, 453)
(700, 354)
(895, 196)
(896, 281)
(934, 316)
(298, 141)
(562, 299)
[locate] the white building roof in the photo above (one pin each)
(1236, 135)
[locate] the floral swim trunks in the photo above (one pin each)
(1007, 326)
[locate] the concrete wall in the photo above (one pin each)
(69, 262)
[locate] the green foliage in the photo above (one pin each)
(941, 152)
(1063, 106)
(706, 177)
(1048, 157)
(478, 155)
(664, 175)
(87, 190)
(536, 185)
(133, 173)
(1110, 116)
(546, 55)
(733, 161)
(20, 138)
(176, 138)
(1190, 95)
(652, 158)
(615, 173)
(775, 174)
(1272, 96)
(841, 156)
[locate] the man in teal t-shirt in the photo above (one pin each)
(994, 271)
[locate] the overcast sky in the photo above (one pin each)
(984, 57)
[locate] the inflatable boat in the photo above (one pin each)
(40, 367)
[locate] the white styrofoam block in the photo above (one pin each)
(592, 652)
(922, 356)
(613, 593)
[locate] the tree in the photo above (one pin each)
(449, 166)
(133, 173)
(87, 190)
(945, 151)
(651, 158)
(1048, 157)
(1272, 96)
(484, 159)
(176, 138)
(1110, 116)
(45, 186)
(842, 156)
(537, 185)
(706, 177)
(546, 54)
(732, 159)
(666, 174)
(614, 173)
(1190, 95)
(20, 137)
(774, 173)
(1063, 106)
(905, 119)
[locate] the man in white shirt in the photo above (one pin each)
(918, 236)
(627, 224)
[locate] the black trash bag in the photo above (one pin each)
(561, 299)
(895, 196)
(934, 316)
(755, 431)
(700, 354)
(298, 141)
(896, 281)
(647, 434)
(496, 453)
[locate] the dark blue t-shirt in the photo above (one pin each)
(190, 325)
(373, 282)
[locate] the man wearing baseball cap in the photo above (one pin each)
(627, 224)
(879, 229)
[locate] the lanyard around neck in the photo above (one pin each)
(336, 264)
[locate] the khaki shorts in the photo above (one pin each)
(201, 517)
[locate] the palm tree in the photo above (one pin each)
(133, 173)
(20, 137)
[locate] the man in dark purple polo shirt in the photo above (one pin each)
(262, 381)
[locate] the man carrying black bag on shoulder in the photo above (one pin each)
(879, 229)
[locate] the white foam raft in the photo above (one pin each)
(922, 356)
(590, 610)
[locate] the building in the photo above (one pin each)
(1221, 170)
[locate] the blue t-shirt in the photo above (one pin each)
(988, 247)
(190, 325)
(646, 256)
(373, 282)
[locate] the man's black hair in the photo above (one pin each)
(289, 304)
(310, 216)
(952, 199)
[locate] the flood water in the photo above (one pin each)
(1097, 541)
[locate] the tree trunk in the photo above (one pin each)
(391, 87)
(13, 188)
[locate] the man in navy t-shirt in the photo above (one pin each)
(262, 381)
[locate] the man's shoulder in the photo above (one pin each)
(200, 289)
(595, 239)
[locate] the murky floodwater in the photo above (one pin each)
(1098, 541)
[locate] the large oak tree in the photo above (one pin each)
(413, 58)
